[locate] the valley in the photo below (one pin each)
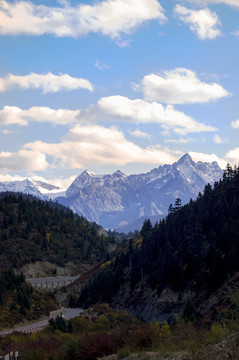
(171, 287)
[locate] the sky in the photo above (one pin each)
(116, 84)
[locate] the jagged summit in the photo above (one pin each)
(117, 199)
(186, 158)
(22, 186)
(89, 173)
(86, 173)
(119, 173)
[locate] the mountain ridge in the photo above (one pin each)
(178, 263)
(116, 200)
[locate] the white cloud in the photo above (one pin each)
(235, 124)
(204, 23)
(47, 82)
(235, 33)
(101, 66)
(179, 86)
(95, 145)
(139, 111)
(112, 108)
(139, 133)
(233, 3)
(218, 140)
(22, 160)
(181, 140)
(6, 132)
(196, 156)
(233, 155)
(7, 177)
(110, 17)
(10, 115)
(63, 184)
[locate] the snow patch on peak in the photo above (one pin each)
(44, 187)
(119, 174)
(185, 159)
(91, 174)
(25, 186)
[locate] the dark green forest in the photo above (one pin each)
(196, 246)
(19, 300)
(34, 230)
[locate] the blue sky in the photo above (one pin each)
(116, 84)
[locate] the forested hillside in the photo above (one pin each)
(33, 230)
(196, 248)
(18, 300)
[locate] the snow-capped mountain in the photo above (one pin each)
(117, 200)
(39, 189)
(22, 186)
(44, 187)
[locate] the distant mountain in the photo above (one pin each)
(44, 187)
(25, 186)
(138, 223)
(39, 189)
(117, 200)
(174, 266)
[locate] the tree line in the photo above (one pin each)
(196, 246)
(35, 230)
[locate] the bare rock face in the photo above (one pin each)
(118, 201)
(122, 202)
(147, 305)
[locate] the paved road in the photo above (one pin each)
(68, 314)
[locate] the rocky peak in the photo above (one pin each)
(185, 159)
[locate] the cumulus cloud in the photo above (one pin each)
(139, 111)
(218, 140)
(196, 156)
(233, 3)
(23, 160)
(10, 115)
(179, 86)
(8, 177)
(47, 82)
(111, 108)
(235, 124)
(63, 184)
(233, 155)
(95, 145)
(139, 133)
(110, 17)
(204, 23)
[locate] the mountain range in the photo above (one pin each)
(121, 201)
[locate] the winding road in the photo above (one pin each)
(69, 313)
